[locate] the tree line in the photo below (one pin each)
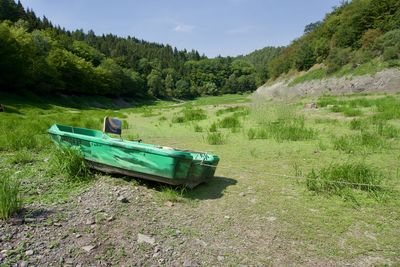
(39, 57)
(353, 33)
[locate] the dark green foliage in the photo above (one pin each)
(337, 179)
(355, 32)
(41, 58)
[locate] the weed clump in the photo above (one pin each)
(213, 128)
(238, 111)
(189, 114)
(280, 123)
(291, 130)
(21, 157)
(230, 122)
(197, 128)
(338, 179)
(216, 138)
(10, 199)
(168, 193)
(71, 163)
(353, 142)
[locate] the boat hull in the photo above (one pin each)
(157, 163)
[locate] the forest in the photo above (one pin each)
(39, 57)
(354, 33)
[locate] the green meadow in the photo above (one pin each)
(321, 184)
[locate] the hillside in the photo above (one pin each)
(360, 37)
(42, 58)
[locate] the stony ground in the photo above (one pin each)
(115, 222)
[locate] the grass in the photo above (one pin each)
(70, 162)
(10, 199)
(238, 110)
(321, 225)
(216, 138)
(317, 74)
(370, 67)
(363, 141)
(171, 194)
(341, 179)
(230, 122)
(189, 114)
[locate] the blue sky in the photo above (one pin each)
(213, 27)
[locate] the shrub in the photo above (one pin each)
(335, 179)
(10, 199)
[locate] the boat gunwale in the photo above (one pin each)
(111, 142)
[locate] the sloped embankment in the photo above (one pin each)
(384, 81)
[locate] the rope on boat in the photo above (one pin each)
(297, 177)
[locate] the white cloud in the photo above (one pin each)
(184, 28)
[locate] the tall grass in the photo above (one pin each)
(216, 138)
(238, 110)
(355, 142)
(338, 178)
(71, 163)
(10, 198)
(189, 114)
(281, 123)
(230, 122)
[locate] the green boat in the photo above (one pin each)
(137, 159)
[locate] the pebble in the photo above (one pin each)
(29, 252)
(23, 264)
(122, 199)
(156, 255)
(90, 221)
(110, 219)
(187, 263)
(271, 219)
(88, 248)
(220, 258)
(169, 204)
(78, 235)
(141, 238)
(242, 194)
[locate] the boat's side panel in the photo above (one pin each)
(129, 159)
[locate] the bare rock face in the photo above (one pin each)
(384, 81)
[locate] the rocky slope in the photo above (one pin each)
(385, 81)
